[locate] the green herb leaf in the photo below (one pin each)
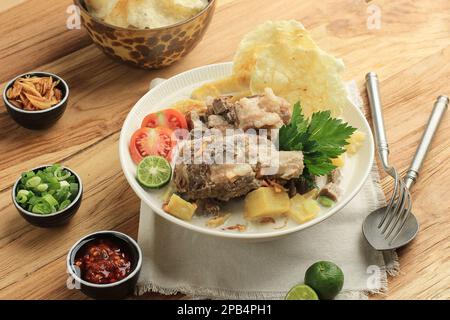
(320, 140)
(307, 179)
(292, 136)
(329, 133)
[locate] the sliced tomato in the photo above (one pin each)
(168, 118)
(152, 142)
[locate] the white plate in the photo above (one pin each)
(355, 171)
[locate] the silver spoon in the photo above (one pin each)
(409, 226)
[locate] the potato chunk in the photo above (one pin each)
(339, 161)
(311, 194)
(355, 142)
(180, 208)
(303, 209)
(266, 202)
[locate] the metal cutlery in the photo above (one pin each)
(394, 225)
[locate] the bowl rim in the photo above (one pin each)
(56, 106)
(73, 203)
(101, 21)
(240, 236)
(106, 285)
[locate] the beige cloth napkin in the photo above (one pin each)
(177, 260)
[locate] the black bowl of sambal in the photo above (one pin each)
(105, 265)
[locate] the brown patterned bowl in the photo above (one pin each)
(148, 48)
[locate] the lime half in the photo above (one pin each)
(301, 292)
(154, 172)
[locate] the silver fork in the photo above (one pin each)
(400, 203)
(378, 227)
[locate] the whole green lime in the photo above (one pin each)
(326, 278)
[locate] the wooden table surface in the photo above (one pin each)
(410, 52)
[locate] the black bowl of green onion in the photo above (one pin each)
(48, 196)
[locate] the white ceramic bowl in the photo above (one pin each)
(355, 171)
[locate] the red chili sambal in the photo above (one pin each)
(103, 262)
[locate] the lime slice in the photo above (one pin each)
(154, 172)
(301, 292)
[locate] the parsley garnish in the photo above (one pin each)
(321, 139)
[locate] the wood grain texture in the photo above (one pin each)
(411, 54)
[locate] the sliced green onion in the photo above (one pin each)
(62, 194)
(325, 201)
(64, 204)
(61, 174)
(64, 184)
(24, 192)
(22, 196)
(33, 200)
(51, 169)
(42, 187)
(42, 208)
(72, 179)
(26, 176)
(74, 189)
(50, 200)
(42, 175)
(53, 183)
(33, 182)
